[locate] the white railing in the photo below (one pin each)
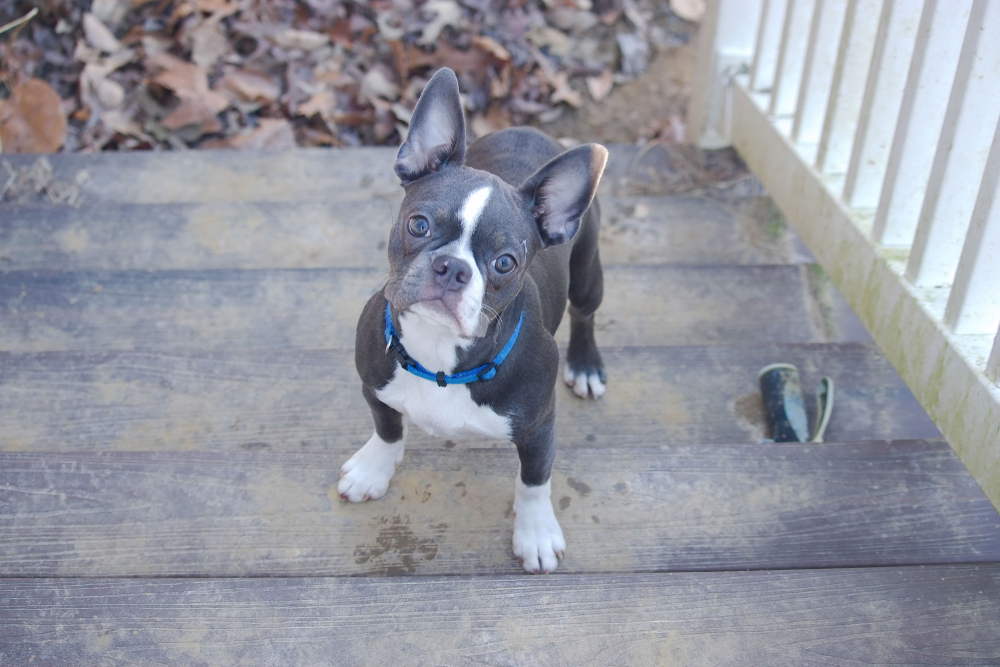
(875, 126)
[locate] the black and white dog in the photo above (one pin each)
(488, 246)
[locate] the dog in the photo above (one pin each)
(490, 243)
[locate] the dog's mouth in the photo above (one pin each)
(450, 311)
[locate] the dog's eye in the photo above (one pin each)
(418, 226)
(504, 263)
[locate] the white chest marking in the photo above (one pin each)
(442, 411)
(439, 411)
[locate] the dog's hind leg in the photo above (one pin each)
(584, 367)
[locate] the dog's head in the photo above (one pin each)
(464, 238)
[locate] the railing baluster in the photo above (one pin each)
(817, 76)
(728, 31)
(847, 90)
(765, 59)
(966, 135)
(974, 302)
(891, 58)
(794, 40)
(925, 99)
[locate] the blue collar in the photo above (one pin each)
(480, 374)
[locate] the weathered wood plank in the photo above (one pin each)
(294, 400)
(318, 308)
(702, 507)
(327, 175)
(892, 617)
(212, 176)
(238, 235)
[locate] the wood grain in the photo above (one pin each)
(318, 308)
(294, 400)
(219, 176)
(706, 507)
(253, 235)
(893, 617)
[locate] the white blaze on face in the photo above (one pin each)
(472, 298)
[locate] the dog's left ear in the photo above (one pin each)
(561, 191)
(437, 130)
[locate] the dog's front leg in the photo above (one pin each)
(366, 475)
(538, 539)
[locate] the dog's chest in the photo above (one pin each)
(439, 411)
(442, 411)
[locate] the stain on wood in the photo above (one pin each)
(294, 400)
(892, 617)
(704, 507)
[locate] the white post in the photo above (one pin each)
(897, 34)
(847, 90)
(817, 76)
(791, 59)
(966, 136)
(974, 303)
(765, 57)
(726, 42)
(993, 365)
(925, 99)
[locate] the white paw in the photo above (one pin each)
(366, 475)
(584, 383)
(538, 539)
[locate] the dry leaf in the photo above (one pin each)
(599, 86)
(446, 13)
(31, 121)
(689, 10)
(300, 39)
(248, 86)
(273, 134)
(323, 104)
(98, 35)
(558, 43)
(376, 84)
(561, 90)
(110, 12)
(491, 46)
(494, 120)
(199, 105)
(208, 44)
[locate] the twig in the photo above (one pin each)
(24, 19)
(6, 187)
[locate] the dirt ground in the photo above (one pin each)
(652, 106)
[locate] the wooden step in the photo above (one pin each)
(293, 400)
(705, 507)
(318, 308)
(892, 617)
(313, 175)
(239, 235)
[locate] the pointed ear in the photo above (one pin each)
(561, 191)
(437, 130)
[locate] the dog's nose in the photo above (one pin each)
(451, 273)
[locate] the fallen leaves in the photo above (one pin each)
(139, 74)
(189, 82)
(32, 121)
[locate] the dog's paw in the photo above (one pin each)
(585, 381)
(366, 475)
(538, 540)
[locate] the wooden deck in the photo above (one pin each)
(177, 393)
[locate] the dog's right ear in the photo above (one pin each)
(437, 130)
